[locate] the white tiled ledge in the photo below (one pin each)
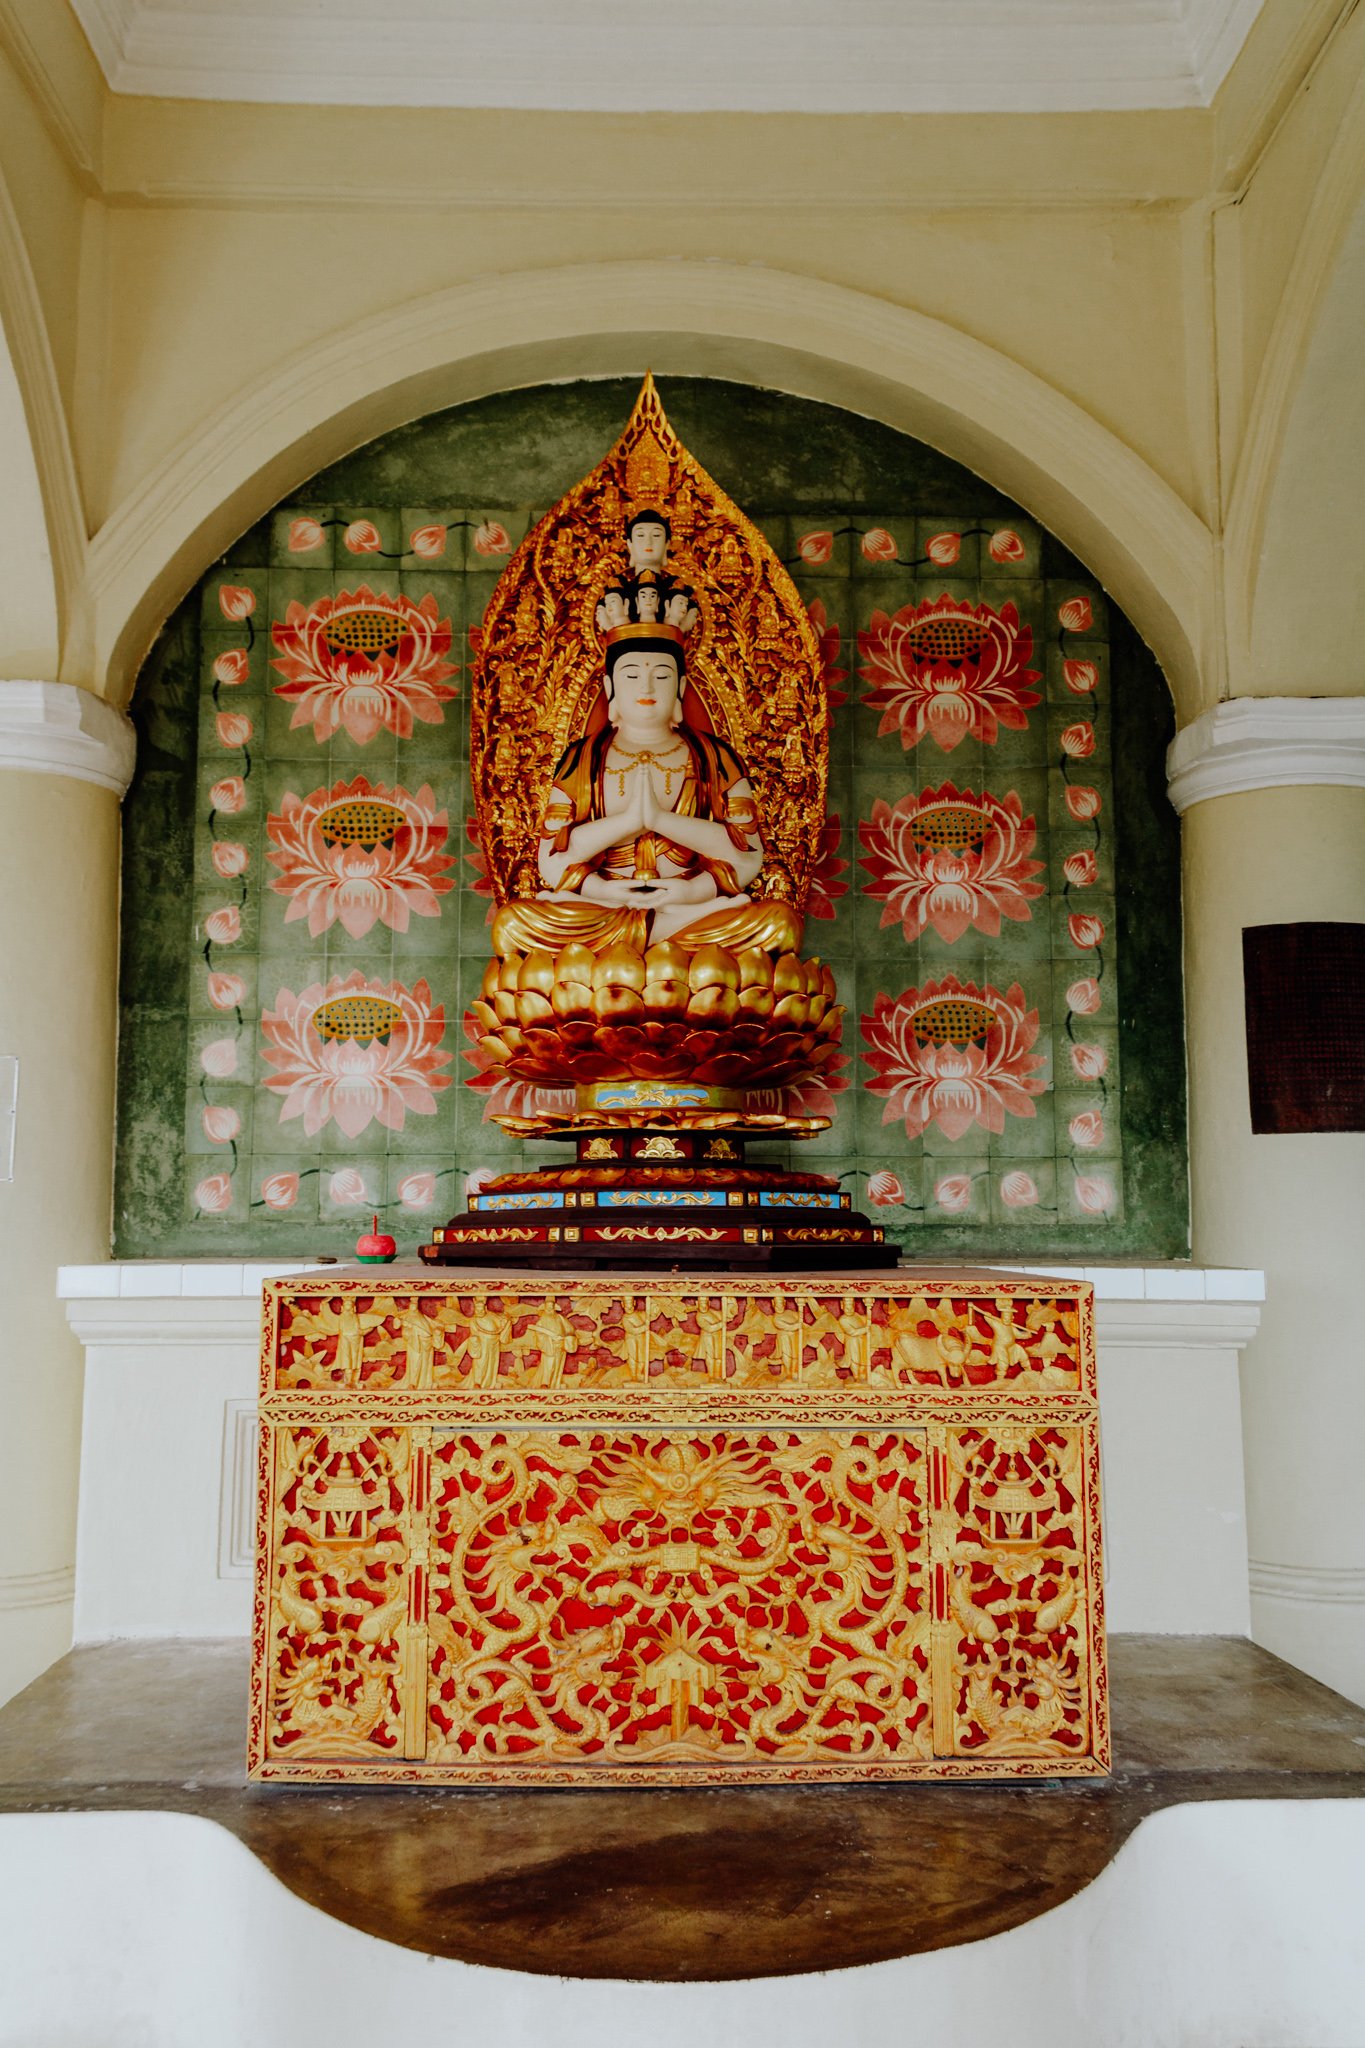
(219, 1280)
(156, 1280)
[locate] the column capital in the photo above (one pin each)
(56, 729)
(1268, 743)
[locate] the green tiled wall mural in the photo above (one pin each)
(305, 912)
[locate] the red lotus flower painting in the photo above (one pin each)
(829, 637)
(815, 1097)
(950, 670)
(355, 1051)
(952, 859)
(364, 662)
(825, 885)
(504, 1093)
(953, 1054)
(482, 884)
(360, 854)
(877, 545)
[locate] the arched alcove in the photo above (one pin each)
(1059, 910)
(751, 324)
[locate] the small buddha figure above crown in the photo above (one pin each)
(649, 594)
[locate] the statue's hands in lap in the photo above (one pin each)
(655, 894)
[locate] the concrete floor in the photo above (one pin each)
(678, 1884)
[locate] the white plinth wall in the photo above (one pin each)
(170, 1387)
(1229, 1924)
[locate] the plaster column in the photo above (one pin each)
(65, 760)
(1273, 796)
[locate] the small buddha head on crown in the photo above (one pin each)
(647, 536)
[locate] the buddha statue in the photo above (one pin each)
(651, 830)
(647, 757)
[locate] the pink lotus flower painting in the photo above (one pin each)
(954, 1055)
(948, 670)
(364, 663)
(355, 1052)
(360, 854)
(504, 1094)
(815, 1097)
(482, 884)
(826, 885)
(951, 859)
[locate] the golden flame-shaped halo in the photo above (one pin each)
(753, 660)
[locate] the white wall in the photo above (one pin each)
(171, 1365)
(1228, 1925)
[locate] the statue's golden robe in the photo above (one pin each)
(710, 788)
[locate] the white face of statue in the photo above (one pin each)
(647, 546)
(645, 691)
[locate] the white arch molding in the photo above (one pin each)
(42, 531)
(748, 324)
(1324, 236)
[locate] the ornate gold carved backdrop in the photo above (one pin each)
(532, 1531)
(753, 658)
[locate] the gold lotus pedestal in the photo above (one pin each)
(572, 1530)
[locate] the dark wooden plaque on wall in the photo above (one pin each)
(1305, 1004)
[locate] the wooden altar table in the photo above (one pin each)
(713, 1528)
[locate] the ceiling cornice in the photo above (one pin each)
(774, 56)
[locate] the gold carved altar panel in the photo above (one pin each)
(558, 1531)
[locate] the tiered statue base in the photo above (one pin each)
(663, 1194)
(649, 1530)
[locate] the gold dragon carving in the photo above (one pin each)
(635, 1601)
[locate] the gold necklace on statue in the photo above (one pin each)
(644, 757)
